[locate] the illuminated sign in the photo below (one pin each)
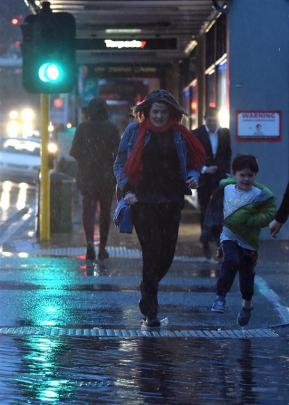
(123, 31)
(109, 43)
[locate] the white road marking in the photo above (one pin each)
(16, 226)
(273, 298)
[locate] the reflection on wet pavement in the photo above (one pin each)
(14, 197)
(144, 371)
(66, 293)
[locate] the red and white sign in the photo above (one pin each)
(263, 125)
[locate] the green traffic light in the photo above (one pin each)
(50, 72)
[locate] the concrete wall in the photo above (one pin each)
(258, 40)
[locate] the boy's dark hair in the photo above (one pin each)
(245, 162)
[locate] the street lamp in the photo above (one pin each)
(220, 5)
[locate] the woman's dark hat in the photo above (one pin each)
(163, 96)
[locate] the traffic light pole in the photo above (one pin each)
(44, 207)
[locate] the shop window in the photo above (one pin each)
(190, 104)
(222, 95)
(221, 33)
(194, 105)
(186, 104)
(211, 96)
(211, 46)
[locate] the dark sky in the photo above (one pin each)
(10, 7)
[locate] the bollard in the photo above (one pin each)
(61, 198)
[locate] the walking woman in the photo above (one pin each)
(94, 147)
(157, 163)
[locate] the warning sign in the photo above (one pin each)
(258, 124)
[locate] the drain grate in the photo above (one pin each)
(137, 333)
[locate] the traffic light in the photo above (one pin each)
(48, 52)
(16, 20)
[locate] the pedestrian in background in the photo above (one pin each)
(281, 215)
(158, 161)
(217, 144)
(94, 147)
(240, 208)
(84, 113)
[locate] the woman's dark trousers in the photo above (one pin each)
(157, 227)
(243, 261)
(89, 208)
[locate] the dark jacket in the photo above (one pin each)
(222, 159)
(246, 221)
(94, 147)
(283, 211)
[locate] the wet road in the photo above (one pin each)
(143, 371)
(44, 294)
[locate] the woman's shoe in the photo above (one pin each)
(151, 322)
(244, 316)
(90, 253)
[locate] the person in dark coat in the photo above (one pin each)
(94, 147)
(217, 144)
(281, 215)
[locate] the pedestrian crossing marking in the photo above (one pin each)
(114, 252)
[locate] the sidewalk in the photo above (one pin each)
(188, 242)
(271, 250)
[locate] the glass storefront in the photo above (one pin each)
(217, 92)
(190, 104)
(211, 91)
(222, 95)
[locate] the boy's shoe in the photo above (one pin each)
(151, 322)
(219, 254)
(90, 253)
(244, 316)
(219, 304)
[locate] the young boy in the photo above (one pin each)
(240, 208)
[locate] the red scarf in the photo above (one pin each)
(195, 152)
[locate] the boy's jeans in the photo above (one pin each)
(243, 261)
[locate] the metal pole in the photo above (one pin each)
(44, 214)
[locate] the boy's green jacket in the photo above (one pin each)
(246, 221)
